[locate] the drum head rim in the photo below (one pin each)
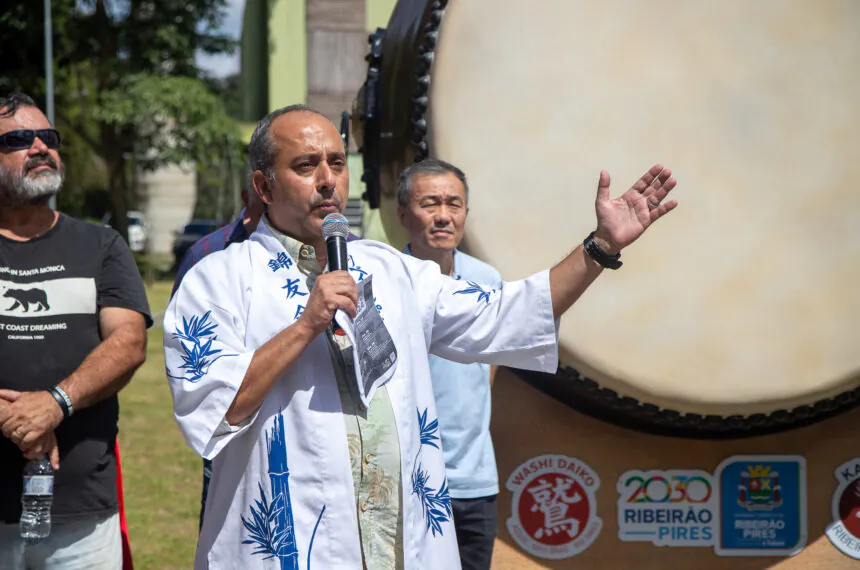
(585, 395)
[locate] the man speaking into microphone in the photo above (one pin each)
(324, 439)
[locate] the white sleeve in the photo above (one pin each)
(205, 356)
(511, 325)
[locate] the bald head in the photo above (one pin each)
(262, 150)
(299, 171)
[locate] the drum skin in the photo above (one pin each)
(737, 315)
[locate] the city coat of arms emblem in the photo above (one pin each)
(759, 488)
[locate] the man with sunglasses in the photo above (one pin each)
(73, 318)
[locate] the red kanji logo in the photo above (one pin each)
(553, 509)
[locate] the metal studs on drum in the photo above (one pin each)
(430, 40)
(421, 103)
(423, 150)
(374, 56)
(366, 118)
(423, 66)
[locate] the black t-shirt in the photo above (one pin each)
(51, 290)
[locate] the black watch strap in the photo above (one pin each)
(601, 257)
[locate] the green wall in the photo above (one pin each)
(288, 53)
(254, 59)
(377, 13)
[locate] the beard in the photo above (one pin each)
(27, 188)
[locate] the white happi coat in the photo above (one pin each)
(282, 495)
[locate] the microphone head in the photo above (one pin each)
(335, 225)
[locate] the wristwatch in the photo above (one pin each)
(601, 257)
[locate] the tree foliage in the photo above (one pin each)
(172, 119)
(126, 84)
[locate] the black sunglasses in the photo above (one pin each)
(19, 140)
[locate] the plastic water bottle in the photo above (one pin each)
(36, 500)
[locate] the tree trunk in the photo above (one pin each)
(116, 183)
(111, 138)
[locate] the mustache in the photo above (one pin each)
(319, 199)
(40, 160)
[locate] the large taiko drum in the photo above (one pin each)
(738, 314)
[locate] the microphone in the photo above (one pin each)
(335, 229)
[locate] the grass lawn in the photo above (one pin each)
(162, 476)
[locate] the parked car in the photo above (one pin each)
(190, 233)
(138, 229)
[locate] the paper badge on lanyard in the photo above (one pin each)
(373, 349)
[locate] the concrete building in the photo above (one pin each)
(311, 51)
(167, 198)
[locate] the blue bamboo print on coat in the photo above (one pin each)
(435, 504)
(378, 309)
(270, 525)
(429, 430)
(313, 536)
(483, 295)
(356, 269)
(196, 337)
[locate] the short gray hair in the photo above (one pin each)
(428, 167)
(262, 150)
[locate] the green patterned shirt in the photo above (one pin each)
(374, 449)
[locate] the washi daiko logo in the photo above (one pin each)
(844, 531)
(554, 510)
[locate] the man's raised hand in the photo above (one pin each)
(620, 221)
